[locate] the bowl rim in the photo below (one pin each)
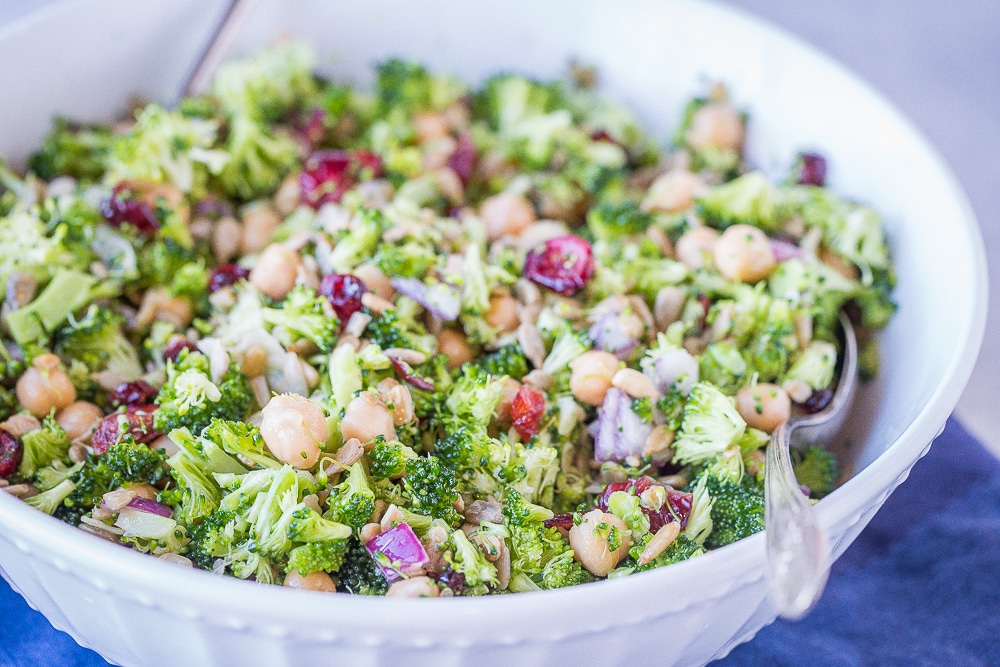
(108, 567)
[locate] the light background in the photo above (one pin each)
(940, 63)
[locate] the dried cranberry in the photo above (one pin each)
(122, 207)
(706, 306)
(327, 175)
(132, 394)
(173, 349)
(812, 169)
(225, 275)
(818, 400)
(462, 161)
(602, 135)
(453, 580)
(564, 265)
(564, 521)
(344, 292)
(139, 424)
(527, 411)
(676, 508)
(11, 453)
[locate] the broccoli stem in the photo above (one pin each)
(65, 293)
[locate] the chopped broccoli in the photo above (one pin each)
(325, 556)
(567, 347)
(72, 149)
(626, 507)
(67, 292)
(98, 341)
(267, 86)
(29, 247)
(682, 548)
(749, 199)
(432, 488)
(91, 481)
(407, 260)
(564, 570)
(134, 462)
(42, 447)
(212, 538)
(304, 314)
(482, 464)
(816, 469)
(259, 159)
(710, 425)
(353, 500)
(240, 439)
(410, 88)
(467, 559)
(611, 220)
(190, 399)
(815, 365)
(474, 397)
(722, 364)
(357, 243)
(196, 494)
(359, 574)
(389, 459)
(541, 469)
(736, 500)
(49, 501)
(509, 360)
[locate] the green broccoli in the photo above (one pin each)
(326, 542)
(133, 462)
(269, 85)
(49, 501)
(722, 365)
(98, 341)
(389, 459)
(357, 243)
(816, 469)
(410, 88)
(91, 481)
(711, 424)
(359, 574)
(407, 260)
(467, 559)
(190, 399)
(568, 346)
(259, 159)
(474, 397)
(682, 548)
(432, 488)
(29, 247)
(304, 315)
(41, 447)
(509, 360)
(564, 570)
(212, 538)
(72, 149)
(612, 220)
(736, 500)
(196, 494)
(353, 500)
(749, 199)
(815, 365)
(625, 506)
(482, 464)
(239, 439)
(67, 292)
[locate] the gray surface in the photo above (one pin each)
(940, 63)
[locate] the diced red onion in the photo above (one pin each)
(441, 299)
(400, 549)
(620, 432)
(675, 368)
(405, 371)
(609, 335)
(785, 250)
(150, 506)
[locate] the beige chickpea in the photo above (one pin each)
(744, 253)
(365, 417)
(316, 581)
(591, 376)
(509, 392)
(592, 541)
(453, 345)
(275, 271)
(79, 418)
(838, 264)
(44, 386)
(696, 245)
(375, 280)
(226, 237)
(716, 125)
(414, 587)
(502, 315)
(294, 430)
(764, 406)
(506, 214)
(673, 191)
(259, 223)
(430, 125)
(20, 423)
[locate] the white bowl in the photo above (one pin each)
(85, 58)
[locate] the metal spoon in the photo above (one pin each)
(797, 555)
(215, 51)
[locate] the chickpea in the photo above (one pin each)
(414, 587)
(600, 542)
(259, 223)
(540, 232)
(317, 581)
(764, 406)
(453, 345)
(716, 125)
(696, 245)
(838, 264)
(591, 376)
(506, 214)
(79, 418)
(668, 306)
(509, 392)
(20, 423)
(502, 315)
(744, 253)
(366, 417)
(375, 280)
(226, 237)
(45, 386)
(430, 125)
(275, 271)
(673, 191)
(294, 430)
(287, 196)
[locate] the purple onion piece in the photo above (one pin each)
(785, 250)
(620, 432)
(609, 335)
(396, 551)
(151, 506)
(213, 208)
(675, 368)
(442, 300)
(405, 371)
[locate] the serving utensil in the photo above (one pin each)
(797, 552)
(218, 46)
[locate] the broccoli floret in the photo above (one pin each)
(408, 260)
(353, 500)
(239, 439)
(196, 494)
(42, 447)
(389, 459)
(722, 364)
(625, 506)
(680, 549)
(612, 220)
(816, 469)
(564, 570)
(55, 474)
(509, 360)
(711, 424)
(467, 559)
(815, 365)
(357, 243)
(410, 88)
(91, 481)
(67, 292)
(134, 462)
(736, 500)
(386, 331)
(432, 488)
(303, 314)
(98, 341)
(259, 159)
(749, 199)
(541, 469)
(474, 397)
(190, 399)
(567, 347)
(359, 574)
(268, 85)
(49, 501)
(482, 464)
(327, 556)
(308, 525)
(72, 149)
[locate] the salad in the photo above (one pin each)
(425, 341)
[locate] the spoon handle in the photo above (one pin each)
(211, 56)
(797, 557)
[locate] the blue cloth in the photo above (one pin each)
(920, 586)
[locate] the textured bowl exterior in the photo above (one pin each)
(135, 610)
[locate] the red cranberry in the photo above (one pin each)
(527, 410)
(812, 169)
(11, 453)
(225, 275)
(564, 521)
(174, 347)
(818, 400)
(463, 160)
(122, 207)
(139, 424)
(676, 508)
(132, 394)
(311, 127)
(327, 175)
(564, 265)
(344, 292)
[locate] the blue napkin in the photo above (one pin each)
(920, 586)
